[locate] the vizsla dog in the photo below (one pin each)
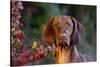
(65, 32)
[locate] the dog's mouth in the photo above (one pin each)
(64, 43)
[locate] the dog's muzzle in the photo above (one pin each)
(64, 40)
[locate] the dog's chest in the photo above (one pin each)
(64, 55)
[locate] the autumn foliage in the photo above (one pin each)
(20, 53)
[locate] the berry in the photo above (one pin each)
(37, 57)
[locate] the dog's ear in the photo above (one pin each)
(48, 32)
(77, 31)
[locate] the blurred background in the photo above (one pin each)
(35, 15)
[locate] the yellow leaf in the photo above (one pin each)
(17, 44)
(34, 45)
(13, 29)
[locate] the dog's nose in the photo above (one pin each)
(63, 35)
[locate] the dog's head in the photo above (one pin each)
(64, 29)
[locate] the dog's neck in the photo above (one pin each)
(65, 55)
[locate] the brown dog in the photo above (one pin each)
(65, 33)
